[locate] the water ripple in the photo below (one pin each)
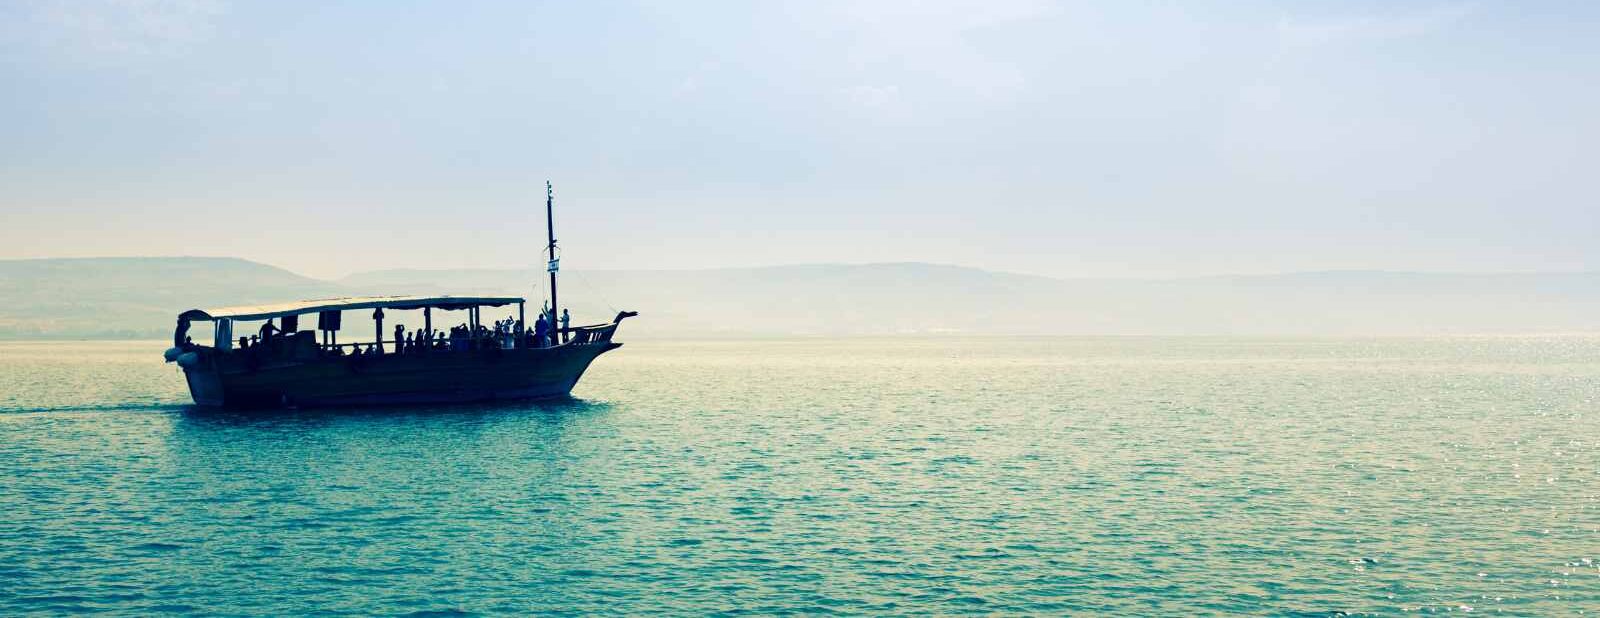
(915, 476)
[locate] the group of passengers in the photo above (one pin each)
(505, 334)
(267, 332)
(544, 331)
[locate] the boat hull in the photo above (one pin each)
(431, 377)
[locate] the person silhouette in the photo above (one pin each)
(541, 332)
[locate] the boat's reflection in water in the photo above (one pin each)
(396, 492)
(544, 409)
(391, 437)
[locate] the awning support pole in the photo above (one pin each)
(377, 318)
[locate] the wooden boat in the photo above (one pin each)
(285, 366)
(295, 369)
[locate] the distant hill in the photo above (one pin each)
(925, 298)
(139, 297)
(133, 297)
(781, 300)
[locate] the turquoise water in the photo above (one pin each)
(947, 476)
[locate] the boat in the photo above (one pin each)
(285, 366)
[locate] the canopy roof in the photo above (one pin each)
(267, 312)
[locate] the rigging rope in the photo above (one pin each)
(586, 289)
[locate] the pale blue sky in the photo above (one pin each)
(1067, 139)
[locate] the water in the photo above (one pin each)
(1042, 476)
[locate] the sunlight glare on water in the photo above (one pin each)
(944, 475)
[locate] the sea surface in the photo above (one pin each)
(1046, 476)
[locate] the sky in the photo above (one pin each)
(1068, 139)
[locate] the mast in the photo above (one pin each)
(555, 262)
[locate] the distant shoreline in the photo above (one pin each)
(780, 338)
(120, 299)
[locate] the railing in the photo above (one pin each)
(302, 345)
(579, 335)
(594, 333)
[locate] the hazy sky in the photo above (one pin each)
(1068, 139)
